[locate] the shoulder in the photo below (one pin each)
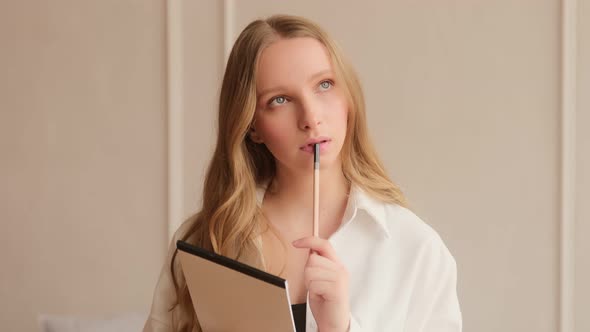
(411, 231)
(402, 219)
(183, 229)
(401, 225)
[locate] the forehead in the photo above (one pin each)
(291, 61)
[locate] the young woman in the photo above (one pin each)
(375, 266)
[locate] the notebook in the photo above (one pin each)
(231, 296)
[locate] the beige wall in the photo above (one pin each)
(82, 157)
(203, 64)
(582, 249)
(464, 106)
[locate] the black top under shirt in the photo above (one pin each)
(299, 316)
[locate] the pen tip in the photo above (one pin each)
(316, 153)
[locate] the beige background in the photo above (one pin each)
(83, 157)
(106, 125)
(582, 258)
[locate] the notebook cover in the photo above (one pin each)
(231, 296)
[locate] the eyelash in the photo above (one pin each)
(274, 98)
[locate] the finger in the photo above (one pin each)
(327, 290)
(313, 274)
(315, 260)
(318, 274)
(321, 246)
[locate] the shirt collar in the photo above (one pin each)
(375, 209)
(357, 200)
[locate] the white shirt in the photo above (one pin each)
(402, 277)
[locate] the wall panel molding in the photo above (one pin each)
(228, 28)
(568, 164)
(175, 114)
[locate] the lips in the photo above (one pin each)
(324, 142)
(312, 141)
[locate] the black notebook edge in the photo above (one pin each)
(231, 264)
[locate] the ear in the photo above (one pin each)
(254, 135)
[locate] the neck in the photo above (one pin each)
(292, 193)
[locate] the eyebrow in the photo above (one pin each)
(311, 78)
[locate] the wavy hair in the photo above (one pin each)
(230, 218)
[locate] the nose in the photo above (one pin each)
(310, 115)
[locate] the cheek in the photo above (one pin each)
(272, 134)
(338, 111)
(276, 137)
(273, 131)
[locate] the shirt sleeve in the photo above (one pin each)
(435, 305)
(160, 318)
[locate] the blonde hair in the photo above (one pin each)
(230, 217)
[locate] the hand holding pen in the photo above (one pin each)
(326, 278)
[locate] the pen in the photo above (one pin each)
(316, 189)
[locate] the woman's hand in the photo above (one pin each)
(326, 279)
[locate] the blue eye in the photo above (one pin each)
(325, 85)
(280, 100)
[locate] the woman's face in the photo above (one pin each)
(298, 104)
